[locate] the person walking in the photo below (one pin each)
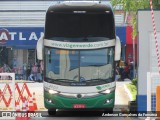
(39, 76)
(28, 71)
(34, 71)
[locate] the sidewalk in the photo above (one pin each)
(127, 90)
(17, 81)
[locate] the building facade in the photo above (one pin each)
(22, 24)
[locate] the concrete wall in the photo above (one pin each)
(30, 13)
(144, 50)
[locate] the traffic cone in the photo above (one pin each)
(23, 105)
(26, 104)
(17, 107)
(31, 105)
(27, 109)
(34, 102)
(24, 110)
(17, 110)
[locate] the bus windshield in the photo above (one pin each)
(71, 25)
(79, 65)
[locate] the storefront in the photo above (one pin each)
(18, 46)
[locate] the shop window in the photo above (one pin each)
(31, 56)
(3, 55)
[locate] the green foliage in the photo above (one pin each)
(133, 90)
(133, 6)
(155, 4)
(132, 87)
(134, 81)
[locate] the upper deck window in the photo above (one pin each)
(74, 25)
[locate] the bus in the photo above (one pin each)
(79, 50)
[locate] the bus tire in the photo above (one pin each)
(51, 112)
(109, 110)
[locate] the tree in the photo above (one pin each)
(131, 7)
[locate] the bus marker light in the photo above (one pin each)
(79, 11)
(108, 101)
(50, 101)
(107, 11)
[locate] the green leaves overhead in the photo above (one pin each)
(131, 5)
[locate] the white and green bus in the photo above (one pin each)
(79, 50)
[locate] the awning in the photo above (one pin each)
(20, 37)
(24, 47)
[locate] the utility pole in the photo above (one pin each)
(133, 57)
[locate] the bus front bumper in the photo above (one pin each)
(103, 101)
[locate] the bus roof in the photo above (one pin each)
(88, 6)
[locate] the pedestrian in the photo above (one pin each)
(125, 73)
(117, 75)
(24, 71)
(39, 77)
(28, 71)
(131, 71)
(31, 77)
(1, 69)
(34, 71)
(20, 73)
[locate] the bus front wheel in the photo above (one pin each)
(109, 110)
(51, 112)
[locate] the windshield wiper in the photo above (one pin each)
(60, 80)
(95, 80)
(96, 65)
(64, 80)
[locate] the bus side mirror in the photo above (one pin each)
(40, 48)
(117, 49)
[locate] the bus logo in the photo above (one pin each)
(99, 87)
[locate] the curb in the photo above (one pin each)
(128, 92)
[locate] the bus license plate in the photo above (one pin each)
(79, 106)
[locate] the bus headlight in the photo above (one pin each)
(108, 101)
(108, 91)
(52, 91)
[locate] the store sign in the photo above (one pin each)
(20, 36)
(28, 36)
(4, 36)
